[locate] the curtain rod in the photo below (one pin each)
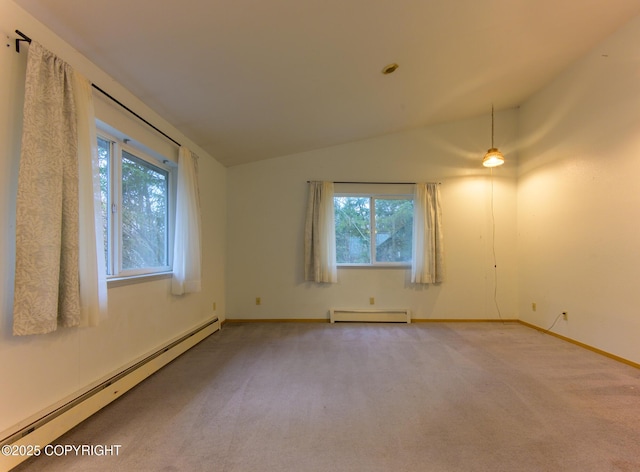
(24, 37)
(378, 183)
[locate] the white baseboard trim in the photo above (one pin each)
(54, 424)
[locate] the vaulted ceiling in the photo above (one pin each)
(255, 79)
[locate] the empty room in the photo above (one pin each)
(320, 235)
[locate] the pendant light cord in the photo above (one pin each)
(492, 131)
(493, 244)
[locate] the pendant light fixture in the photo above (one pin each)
(493, 157)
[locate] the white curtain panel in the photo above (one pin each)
(186, 250)
(427, 263)
(319, 235)
(47, 242)
(93, 273)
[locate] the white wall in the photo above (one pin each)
(578, 199)
(267, 205)
(38, 371)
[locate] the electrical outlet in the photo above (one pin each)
(258, 301)
(534, 307)
(565, 315)
(372, 301)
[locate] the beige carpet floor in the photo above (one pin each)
(436, 397)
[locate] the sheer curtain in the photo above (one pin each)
(47, 242)
(427, 263)
(319, 235)
(186, 249)
(92, 265)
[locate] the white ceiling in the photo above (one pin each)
(254, 79)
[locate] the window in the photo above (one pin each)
(136, 200)
(373, 230)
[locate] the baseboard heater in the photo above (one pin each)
(399, 315)
(54, 424)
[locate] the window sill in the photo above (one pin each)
(136, 279)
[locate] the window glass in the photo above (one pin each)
(390, 242)
(394, 229)
(104, 161)
(144, 214)
(353, 230)
(135, 191)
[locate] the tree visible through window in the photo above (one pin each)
(144, 214)
(373, 230)
(135, 205)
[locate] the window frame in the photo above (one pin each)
(372, 224)
(114, 254)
